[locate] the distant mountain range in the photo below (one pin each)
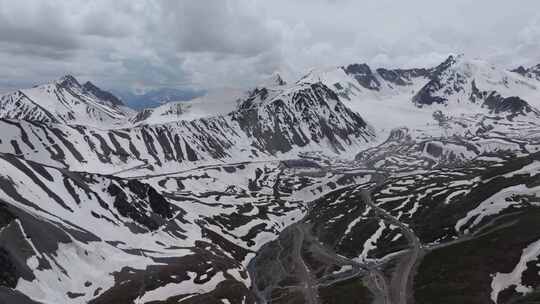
(157, 97)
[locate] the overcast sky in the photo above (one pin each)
(217, 43)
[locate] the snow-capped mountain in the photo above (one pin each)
(307, 115)
(269, 123)
(352, 184)
(368, 79)
(389, 99)
(65, 101)
(462, 82)
(532, 72)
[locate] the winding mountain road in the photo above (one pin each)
(394, 291)
(400, 283)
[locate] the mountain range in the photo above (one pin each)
(352, 184)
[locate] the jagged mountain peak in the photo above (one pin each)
(520, 70)
(461, 81)
(364, 75)
(531, 72)
(381, 78)
(279, 80)
(450, 61)
(65, 100)
(68, 81)
(453, 58)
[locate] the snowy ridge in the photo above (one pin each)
(460, 89)
(532, 72)
(219, 102)
(65, 101)
(473, 82)
(310, 118)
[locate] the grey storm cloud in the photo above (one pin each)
(213, 43)
(35, 31)
(218, 26)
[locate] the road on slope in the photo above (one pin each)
(280, 273)
(400, 283)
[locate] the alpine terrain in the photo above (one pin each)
(352, 184)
